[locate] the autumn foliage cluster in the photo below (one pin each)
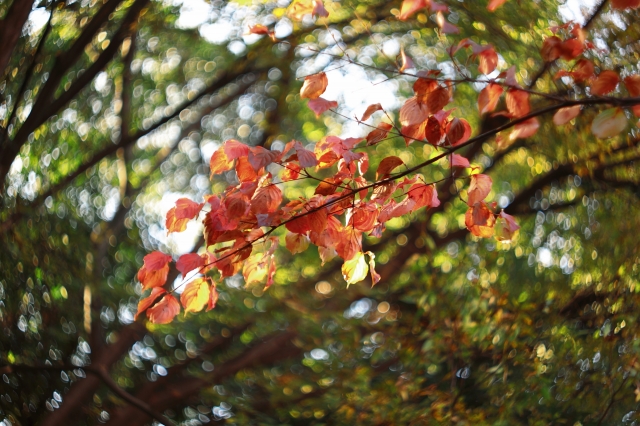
(349, 199)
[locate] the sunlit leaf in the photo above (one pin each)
(164, 311)
(314, 86)
(195, 295)
(155, 270)
(355, 269)
(479, 188)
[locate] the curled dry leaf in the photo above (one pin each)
(184, 211)
(314, 86)
(370, 110)
(606, 82)
(609, 123)
(404, 61)
(565, 115)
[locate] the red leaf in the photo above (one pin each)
(234, 149)
(164, 311)
(306, 158)
(144, 304)
(606, 82)
(370, 110)
(479, 220)
(387, 165)
(632, 83)
(565, 115)
(260, 157)
(237, 205)
(213, 297)
(364, 217)
(259, 29)
(459, 161)
(188, 262)
(479, 188)
(409, 7)
(405, 62)
(321, 105)
(494, 4)
(379, 134)
(314, 86)
(433, 130)
(458, 132)
(423, 87)
(413, 132)
(155, 270)
(582, 71)
(517, 103)
(551, 48)
(625, 4)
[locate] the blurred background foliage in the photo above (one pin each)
(109, 112)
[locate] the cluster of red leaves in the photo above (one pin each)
(239, 223)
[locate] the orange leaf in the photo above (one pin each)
(296, 243)
(155, 270)
(423, 88)
(405, 61)
(349, 243)
(370, 110)
(219, 162)
(438, 99)
(236, 205)
(245, 171)
(259, 29)
(164, 311)
(379, 134)
(188, 262)
(387, 165)
(413, 132)
(213, 297)
(181, 214)
(517, 103)
(320, 105)
(413, 112)
(267, 197)
(583, 70)
(234, 149)
(409, 7)
(489, 97)
(488, 59)
(314, 86)
(364, 217)
(479, 188)
(375, 277)
(145, 303)
(606, 82)
(195, 295)
(494, 4)
(291, 172)
(479, 220)
(424, 195)
(565, 115)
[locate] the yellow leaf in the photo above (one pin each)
(355, 270)
(195, 295)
